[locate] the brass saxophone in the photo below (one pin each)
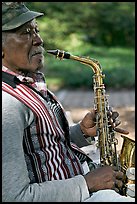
(107, 142)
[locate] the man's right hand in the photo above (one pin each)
(104, 178)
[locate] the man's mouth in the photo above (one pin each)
(39, 51)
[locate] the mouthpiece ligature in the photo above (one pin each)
(59, 54)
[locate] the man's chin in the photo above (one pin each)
(40, 68)
(31, 70)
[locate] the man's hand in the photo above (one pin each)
(114, 121)
(88, 125)
(104, 178)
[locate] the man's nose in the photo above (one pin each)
(37, 40)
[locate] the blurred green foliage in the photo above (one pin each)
(118, 66)
(100, 23)
(101, 30)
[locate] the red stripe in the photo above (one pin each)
(46, 123)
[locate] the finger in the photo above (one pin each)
(116, 189)
(109, 113)
(91, 131)
(92, 113)
(115, 114)
(115, 168)
(114, 123)
(118, 184)
(119, 174)
(117, 122)
(89, 120)
(120, 130)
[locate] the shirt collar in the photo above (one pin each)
(37, 79)
(21, 77)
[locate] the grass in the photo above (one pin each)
(118, 65)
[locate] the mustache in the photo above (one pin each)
(39, 50)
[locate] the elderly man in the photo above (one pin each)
(40, 161)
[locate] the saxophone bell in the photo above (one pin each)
(127, 162)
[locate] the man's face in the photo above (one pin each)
(23, 49)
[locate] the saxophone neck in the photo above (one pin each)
(94, 64)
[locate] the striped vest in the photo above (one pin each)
(48, 152)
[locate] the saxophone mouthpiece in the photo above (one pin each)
(59, 54)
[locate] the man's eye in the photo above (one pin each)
(27, 31)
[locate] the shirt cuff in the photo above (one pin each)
(83, 187)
